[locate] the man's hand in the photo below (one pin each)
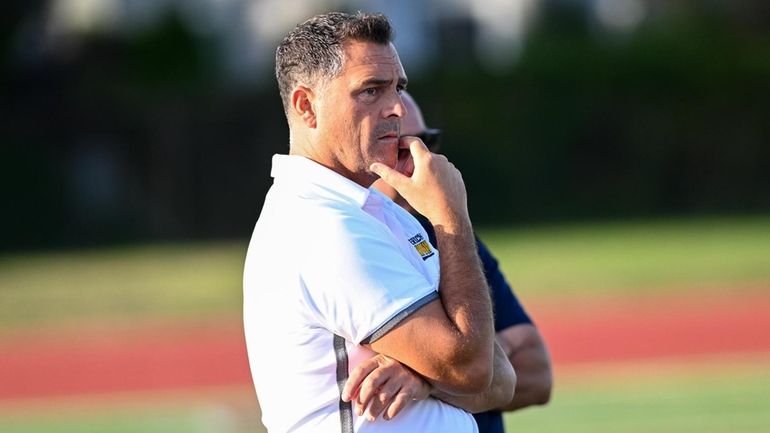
(448, 341)
(435, 189)
(382, 385)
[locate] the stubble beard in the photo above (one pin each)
(383, 128)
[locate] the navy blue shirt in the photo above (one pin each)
(508, 312)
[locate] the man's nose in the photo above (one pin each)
(396, 107)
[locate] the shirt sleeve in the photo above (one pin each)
(508, 309)
(358, 283)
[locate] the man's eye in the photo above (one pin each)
(370, 94)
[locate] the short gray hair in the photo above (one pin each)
(313, 49)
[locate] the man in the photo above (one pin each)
(338, 278)
(515, 332)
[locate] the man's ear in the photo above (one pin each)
(302, 99)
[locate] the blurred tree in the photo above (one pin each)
(109, 137)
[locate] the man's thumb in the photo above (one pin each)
(389, 175)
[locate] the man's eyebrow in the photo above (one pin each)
(382, 82)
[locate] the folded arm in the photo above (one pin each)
(449, 341)
(499, 392)
(383, 386)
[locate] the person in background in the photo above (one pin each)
(515, 331)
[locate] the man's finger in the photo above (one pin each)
(358, 374)
(371, 386)
(389, 175)
(395, 406)
(416, 147)
(382, 399)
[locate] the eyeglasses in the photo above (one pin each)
(430, 136)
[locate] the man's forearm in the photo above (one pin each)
(499, 392)
(526, 350)
(450, 340)
(463, 289)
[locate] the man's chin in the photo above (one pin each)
(389, 160)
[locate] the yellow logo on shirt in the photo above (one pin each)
(422, 246)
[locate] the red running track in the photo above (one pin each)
(626, 329)
(177, 355)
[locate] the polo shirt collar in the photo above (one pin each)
(311, 176)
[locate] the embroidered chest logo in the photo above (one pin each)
(421, 245)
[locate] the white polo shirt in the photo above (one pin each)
(332, 265)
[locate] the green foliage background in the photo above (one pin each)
(671, 119)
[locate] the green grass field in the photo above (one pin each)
(201, 278)
(194, 280)
(714, 400)
(147, 421)
(634, 257)
(152, 280)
